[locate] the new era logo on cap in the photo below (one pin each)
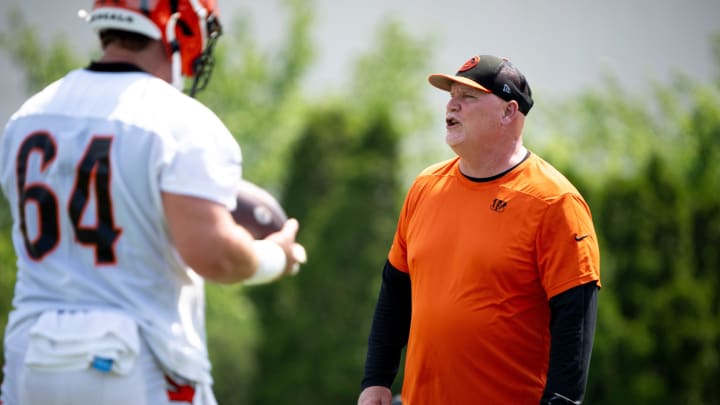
(490, 74)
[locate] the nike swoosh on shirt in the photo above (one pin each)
(581, 237)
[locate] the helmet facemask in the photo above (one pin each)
(204, 64)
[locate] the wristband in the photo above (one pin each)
(271, 262)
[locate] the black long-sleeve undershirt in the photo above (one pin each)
(572, 328)
(390, 328)
(573, 315)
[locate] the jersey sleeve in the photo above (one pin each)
(398, 251)
(202, 161)
(567, 246)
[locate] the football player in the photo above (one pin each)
(120, 187)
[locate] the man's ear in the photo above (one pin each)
(511, 108)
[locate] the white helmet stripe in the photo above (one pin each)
(177, 79)
(122, 19)
(202, 14)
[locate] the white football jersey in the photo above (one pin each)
(83, 164)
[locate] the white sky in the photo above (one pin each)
(562, 46)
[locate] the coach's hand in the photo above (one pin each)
(376, 395)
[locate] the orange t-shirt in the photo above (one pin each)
(484, 258)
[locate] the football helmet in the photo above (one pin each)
(188, 28)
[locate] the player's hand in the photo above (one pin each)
(294, 252)
(376, 395)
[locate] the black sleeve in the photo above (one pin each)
(572, 329)
(389, 330)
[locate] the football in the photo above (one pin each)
(257, 210)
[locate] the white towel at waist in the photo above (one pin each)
(203, 395)
(72, 340)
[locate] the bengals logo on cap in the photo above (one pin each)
(471, 63)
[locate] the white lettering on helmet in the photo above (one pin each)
(111, 16)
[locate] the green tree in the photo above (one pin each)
(649, 169)
(344, 187)
(7, 268)
(41, 63)
(256, 93)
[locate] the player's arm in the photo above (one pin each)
(388, 333)
(572, 328)
(212, 244)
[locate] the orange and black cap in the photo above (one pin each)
(490, 74)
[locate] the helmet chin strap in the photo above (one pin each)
(175, 61)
